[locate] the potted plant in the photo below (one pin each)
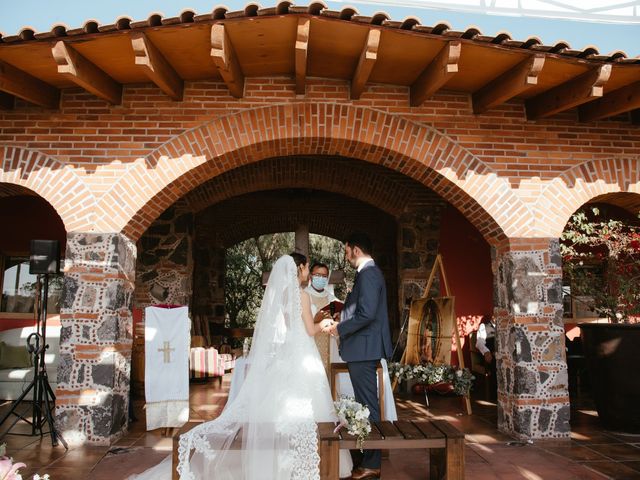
(601, 260)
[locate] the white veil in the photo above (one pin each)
(269, 430)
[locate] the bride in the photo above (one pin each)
(269, 430)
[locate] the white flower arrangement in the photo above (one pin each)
(354, 417)
(431, 374)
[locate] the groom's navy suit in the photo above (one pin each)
(364, 340)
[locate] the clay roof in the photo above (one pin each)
(314, 41)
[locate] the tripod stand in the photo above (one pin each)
(44, 399)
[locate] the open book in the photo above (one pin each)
(333, 307)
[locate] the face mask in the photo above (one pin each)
(319, 282)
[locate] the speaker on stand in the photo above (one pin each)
(44, 260)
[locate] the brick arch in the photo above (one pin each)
(328, 214)
(580, 184)
(417, 151)
(53, 181)
(388, 190)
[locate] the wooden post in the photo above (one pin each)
(328, 449)
(302, 240)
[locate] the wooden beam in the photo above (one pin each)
(367, 60)
(85, 74)
(619, 101)
(511, 83)
(29, 88)
(226, 61)
(583, 89)
(156, 67)
(302, 50)
(437, 73)
(7, 102)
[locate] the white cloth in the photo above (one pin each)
(485, 331)
(238, 375)
(166, 376)
(323, 298)
(273, 416)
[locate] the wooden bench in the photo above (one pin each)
(444, 442)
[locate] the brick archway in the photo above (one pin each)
(389, 191)
(579, 185)
(154, 183)
(51, 180)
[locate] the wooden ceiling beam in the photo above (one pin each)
(226, 61)
(619, 101)
(22, 85)
(367, 60)
(85, 74)
(156, 67)
(7, 102)
(302, 53)
(575, 92)
(508, 85)
(437, 73)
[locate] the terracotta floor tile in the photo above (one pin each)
(614, 470)
(589, 456)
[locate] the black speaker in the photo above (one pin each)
(45, 257)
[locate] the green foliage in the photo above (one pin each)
(246, 261)
(601, 260)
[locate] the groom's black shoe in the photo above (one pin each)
(365, 473)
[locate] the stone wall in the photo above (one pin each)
(532, 372)
(165, 259)
(95, 339)
(417, 250)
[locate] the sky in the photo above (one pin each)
(608, 36)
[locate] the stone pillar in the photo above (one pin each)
(165, 259)
(418, 247)
(533, 398)
(95, 340)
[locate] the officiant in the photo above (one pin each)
(321, 295)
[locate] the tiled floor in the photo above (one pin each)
(592, 453)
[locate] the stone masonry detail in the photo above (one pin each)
(533, 399)
(95, 339)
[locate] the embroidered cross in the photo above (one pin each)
(167, 352)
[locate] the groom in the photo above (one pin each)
(364, 337)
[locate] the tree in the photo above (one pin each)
(246, 261)
(601, 259)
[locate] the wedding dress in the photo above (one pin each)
(269, 431)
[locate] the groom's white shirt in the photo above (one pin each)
(363, 264)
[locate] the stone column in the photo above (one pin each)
(418, 247)
(165, 260)
(533, 398)
(95, 340)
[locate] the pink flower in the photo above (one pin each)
(9, 471)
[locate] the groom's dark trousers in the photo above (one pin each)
(364, 377)
(364, 340)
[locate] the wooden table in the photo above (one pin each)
(444, 442)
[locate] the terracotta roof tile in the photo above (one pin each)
(251, 9)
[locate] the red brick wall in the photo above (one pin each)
(467, 152)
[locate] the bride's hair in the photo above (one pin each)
(298, 258)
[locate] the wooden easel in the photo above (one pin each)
(438, 264)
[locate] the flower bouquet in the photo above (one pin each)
(9, 470)
(354, 417)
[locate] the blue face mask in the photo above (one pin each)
(319, 283)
